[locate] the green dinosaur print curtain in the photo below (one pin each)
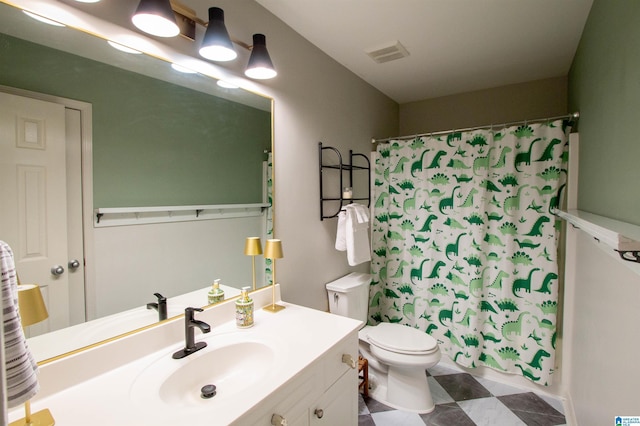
(464, 243)
(268, 179)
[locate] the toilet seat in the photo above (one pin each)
(403, 361)
(401, 339)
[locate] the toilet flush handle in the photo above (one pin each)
(348, 359)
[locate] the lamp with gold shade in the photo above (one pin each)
(273, 251)
(253, 248)
(32, 310)
(31, 305)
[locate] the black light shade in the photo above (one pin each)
(156, 17)
(260, 65)
(216, 44)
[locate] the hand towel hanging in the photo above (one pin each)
(357, 234)
(20, 367)
(341, 231)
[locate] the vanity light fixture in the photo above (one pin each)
(260, 66)
(273, 251)
(217, 44)
(156, 17)
(253, 248)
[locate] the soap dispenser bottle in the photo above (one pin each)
(216, 294)
(244, 309)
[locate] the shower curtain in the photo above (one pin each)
(268, 198)
(464, 243)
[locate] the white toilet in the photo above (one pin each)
(397, 355)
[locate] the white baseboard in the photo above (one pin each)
(569, 411)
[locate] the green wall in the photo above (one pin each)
(154, 143)
(604, 85)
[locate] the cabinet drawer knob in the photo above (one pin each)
(278, 420)
(319, 413)
(348, 359)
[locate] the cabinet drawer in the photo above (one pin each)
(334, 366)
(291, 401)
(338, 405)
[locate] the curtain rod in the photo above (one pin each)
(573, 116)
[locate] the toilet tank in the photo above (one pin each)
(349, 296)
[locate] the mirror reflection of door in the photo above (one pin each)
(40, 173)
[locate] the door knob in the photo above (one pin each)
(74, 264)
(57, 270)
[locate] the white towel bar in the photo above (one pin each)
(122, 216)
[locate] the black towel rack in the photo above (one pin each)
(341, 166)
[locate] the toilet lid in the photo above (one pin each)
(401, 339)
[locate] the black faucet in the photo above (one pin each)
(189, 324)
(160, 306)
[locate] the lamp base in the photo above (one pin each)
(41, 418)
(273, 308)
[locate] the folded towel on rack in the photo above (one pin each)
(357, 234)
(20, 367)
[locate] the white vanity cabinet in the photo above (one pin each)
(325, 393)
(300, 364)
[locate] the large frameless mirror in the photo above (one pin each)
(180, 179)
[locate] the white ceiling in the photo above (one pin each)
(454, 46)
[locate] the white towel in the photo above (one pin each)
(362, 213)
(341, 232)
(357, 234)
(20, 367)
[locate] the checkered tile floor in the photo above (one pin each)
(464, 400)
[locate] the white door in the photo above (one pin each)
(33, 198)
(75, 235)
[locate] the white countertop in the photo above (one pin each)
(65, 340)
(113, 396)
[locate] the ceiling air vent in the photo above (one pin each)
(390, 52)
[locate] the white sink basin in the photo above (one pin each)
(233, 365)
(230, 368)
